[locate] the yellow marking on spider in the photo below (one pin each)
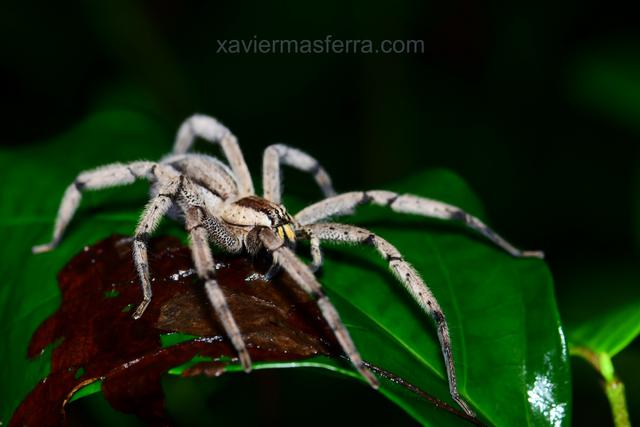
(291, 235)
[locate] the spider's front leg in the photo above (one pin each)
(405, 203)
(407, 275)
(303, 276)
(200, 228)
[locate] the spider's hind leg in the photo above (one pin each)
(277, 154)
(212, 130)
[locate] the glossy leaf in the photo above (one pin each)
(601, 311)
(601, 307)
(507, 340)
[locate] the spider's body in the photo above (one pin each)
(253, 211)
(249, 215)
(218, 205)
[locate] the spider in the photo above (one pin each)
(218, 204)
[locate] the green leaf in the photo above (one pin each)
(507, 339)
(601, 307)
(601, 310)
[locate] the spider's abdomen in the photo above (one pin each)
(256, 211)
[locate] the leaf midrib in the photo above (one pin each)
(456, 308)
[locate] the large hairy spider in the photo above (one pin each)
(218, 204)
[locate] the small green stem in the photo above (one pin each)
(618, 402)
(613, 387)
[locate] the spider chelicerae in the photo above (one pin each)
(218, 205)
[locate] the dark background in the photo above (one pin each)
(536, 105)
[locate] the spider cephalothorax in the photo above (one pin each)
(218, 205)
(250, 212)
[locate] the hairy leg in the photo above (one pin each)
(112, 175)
(184, 193)
(205, 266)
(407, 275)
(206, 171)
(277, 154)
(301, 274)
(316, 253)
(305, 233)
(212, 130)
(404, 203)
(153, 213)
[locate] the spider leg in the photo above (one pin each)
(301, 274)
(314, 247)
(408, 276)
(206, 171)
(153, 213)
(404, 203)
(277, 154)
(112, 175)
(212, 130)
(199, 232)
(316, 253)
(185, 193)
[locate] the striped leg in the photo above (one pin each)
(212, 130)
(277, 154)
(153, 213)
(314, 247)
(301, 274)
(316, 253)
(112, 175)
(411, 281)
(199, 232)
(404, 203)
(206, 171)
